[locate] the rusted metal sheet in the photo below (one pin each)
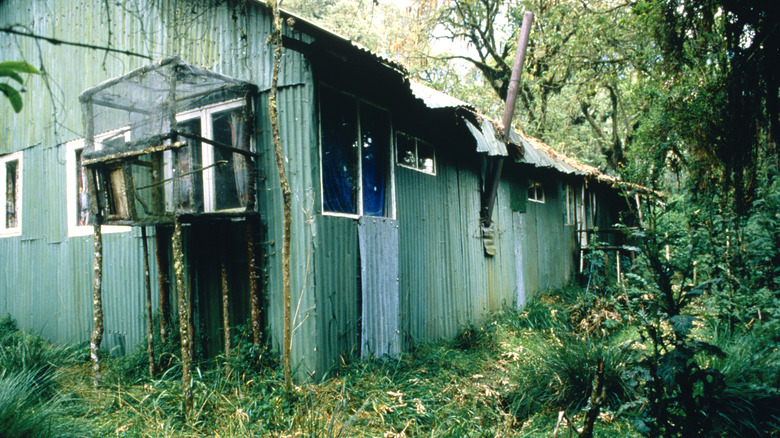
(378, 242)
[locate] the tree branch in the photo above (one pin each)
(57, 42)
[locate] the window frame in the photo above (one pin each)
(417, 141)
(6, 231)
(205, 113)
(359, 175)
(71, 187)
(535, 189)
(571, 205)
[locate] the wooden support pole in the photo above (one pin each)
(225, 293)
(185, 318)
(254, 282)
(97, 303)
(276, 40)
(163, 284)
(148, 296)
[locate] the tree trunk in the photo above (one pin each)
(97, 304)
(148, 289)
(184, 318)
(163, 284)
(276, 40)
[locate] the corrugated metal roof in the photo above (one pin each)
(485, 135)
(434, 99)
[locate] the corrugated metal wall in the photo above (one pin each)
(46, 276)
(445, 280)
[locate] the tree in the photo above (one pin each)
(584, 61)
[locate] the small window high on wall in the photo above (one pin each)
(415, 153)
(355, 151)
(535, 191)
(11, 194)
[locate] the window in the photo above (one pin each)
(414, 153)
(355, 156)
(535, 191)
(78, 212)
(571, 205)
(211, 178)
(11, 194)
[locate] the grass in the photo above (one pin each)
(509, 377)
(32, 403)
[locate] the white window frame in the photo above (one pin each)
(207, 150)
(571, 205)
(72, 187)
(17, 230)
(392, 152)
(535, 191)
(417, 141)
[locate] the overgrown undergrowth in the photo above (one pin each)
(523, 373)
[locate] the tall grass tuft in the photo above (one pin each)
(26, 413)
(557, 372)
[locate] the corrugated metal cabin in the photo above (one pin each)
(388, 246)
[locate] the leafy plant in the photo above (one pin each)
(14, 71)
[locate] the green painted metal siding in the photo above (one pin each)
(47, 276)
(299, 142)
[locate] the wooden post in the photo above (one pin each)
(163, 283)
(148, 289)
(225, 293)
(97, 303)
(276, 40)
(183, 302)
(254, 282)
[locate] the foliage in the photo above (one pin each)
(556, 373)
(686, 380)
(31, 404)
(14, 70)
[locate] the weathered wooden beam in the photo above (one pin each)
(254, 282)
(97, 303)
(225, 291)
(163, 284)
(148, 301)
(185, 319)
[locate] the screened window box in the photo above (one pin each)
(191, 149)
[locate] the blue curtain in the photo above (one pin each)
(375, 152)
(339, 152)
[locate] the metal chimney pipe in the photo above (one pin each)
(517, 69)
(509, 110)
